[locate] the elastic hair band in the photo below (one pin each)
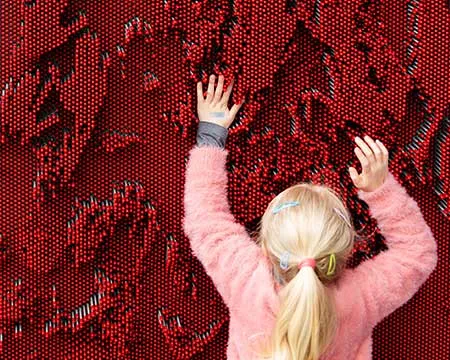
(284, 260)
(217, 115)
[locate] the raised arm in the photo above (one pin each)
(380, 285)
(230, 257)
(233, 261)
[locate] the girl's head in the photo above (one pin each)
(306, 321)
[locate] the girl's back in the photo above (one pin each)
(242, 273)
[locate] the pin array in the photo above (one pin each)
(54, 110)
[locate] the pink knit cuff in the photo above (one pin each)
(390, 184)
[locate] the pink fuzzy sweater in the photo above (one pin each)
(243, 276)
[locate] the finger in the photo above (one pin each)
(383, 148)
(212, 80)
(354, 175)
(375, 149)
(365, 149)
(226, 94)
(219, 89)
(200, 92)
(362, 159)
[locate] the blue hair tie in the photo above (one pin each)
(284, 260)
(285, 205)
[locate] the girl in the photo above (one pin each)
(289, 293)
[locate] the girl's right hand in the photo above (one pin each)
(374, 159)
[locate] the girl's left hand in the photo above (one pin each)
(214, 108)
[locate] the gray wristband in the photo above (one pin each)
(211, 134)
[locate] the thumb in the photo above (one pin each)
(353, 174)
(234, 110)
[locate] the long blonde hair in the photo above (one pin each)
(306, 322)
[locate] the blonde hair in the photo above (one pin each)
(306, 322)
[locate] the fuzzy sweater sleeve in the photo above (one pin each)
(230, 257)
(380, 285)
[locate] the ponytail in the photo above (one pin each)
(314, 223)
(305, 299)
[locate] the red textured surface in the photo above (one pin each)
(98, 113)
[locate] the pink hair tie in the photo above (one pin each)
(307, 262)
